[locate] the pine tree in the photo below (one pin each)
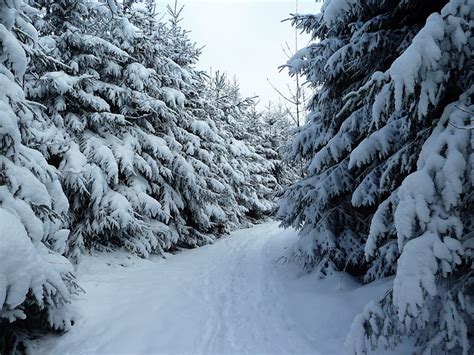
(36, 281)
(388, 181)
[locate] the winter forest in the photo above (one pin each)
(148, 206)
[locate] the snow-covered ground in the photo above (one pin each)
(236, 296)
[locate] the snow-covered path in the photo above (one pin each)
(235, 296)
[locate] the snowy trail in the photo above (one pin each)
(232, 297)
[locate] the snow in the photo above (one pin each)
(380, 142)
(416, 193)
(333, 9)
(416, 271)
(137, 75)
(422, 53)
(18, 277)
(13, 283)
(236, 296)
(173, 97)
(12, 50)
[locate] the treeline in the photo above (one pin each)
(111, 138)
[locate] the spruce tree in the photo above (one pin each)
(113, 170)
(388, 181)
(36, 281)
(248, 171)
(166, 49)
(274, 136)
(141, 151)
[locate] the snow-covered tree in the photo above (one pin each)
(388, 185)
(250, 173)
(141, 157)
(277, 130)
(114, 170)
(36, 281)
(166, 49)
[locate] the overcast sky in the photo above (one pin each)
(244, 38)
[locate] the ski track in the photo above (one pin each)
(232, 297)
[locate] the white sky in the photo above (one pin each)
(245, 38)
